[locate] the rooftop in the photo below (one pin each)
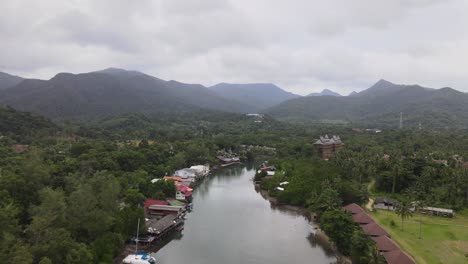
(373, 229)
(150, 202)
(398, 257)
(362, 218)
(328, 141)
(353, 208)
(385, 244)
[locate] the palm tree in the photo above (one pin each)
(403, 210)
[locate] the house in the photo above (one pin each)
(163, 210)
(284, 183)
(279, 189)
(187, 174)
(328, 146)
(202, 170)
(152, 202)
(385, 203)
(353, 208)
(183, 192)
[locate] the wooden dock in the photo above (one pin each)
(162, 227)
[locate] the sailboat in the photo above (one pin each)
(139, 257)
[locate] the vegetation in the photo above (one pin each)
(75, 194)
(443, 240)
(403, 210)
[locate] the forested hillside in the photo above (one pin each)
(23, 127)
(257, 95)
(111, 92)
(381, 105)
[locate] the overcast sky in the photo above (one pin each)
(303, 46)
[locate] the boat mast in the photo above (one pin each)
(138, 231)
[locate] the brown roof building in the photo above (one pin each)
(385, 244)
(373, 229)
(362, 218)
(353, 208)
(398, 257)
(328, 146)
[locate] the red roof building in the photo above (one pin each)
(398, 257)
(362, 218)
(373, 229)
(353, 208)
(150, 202)
(385, 244)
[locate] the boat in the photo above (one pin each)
(139, 258)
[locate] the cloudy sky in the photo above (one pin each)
(301, 45)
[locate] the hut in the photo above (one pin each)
(385, 203)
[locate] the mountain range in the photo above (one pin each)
(257, 95)
(381, 105)
(112, 92)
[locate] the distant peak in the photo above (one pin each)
(352, 93)
(325, 92)
(62, 75)
(112, 70)
(383, 81)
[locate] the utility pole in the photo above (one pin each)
(401, 120)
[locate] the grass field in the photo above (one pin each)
(444, 240)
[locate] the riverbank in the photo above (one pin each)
(231, 223)
(318, 235)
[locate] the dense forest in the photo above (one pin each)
(73, 192)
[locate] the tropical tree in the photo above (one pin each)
(403, 210)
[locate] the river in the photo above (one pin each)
(233, 224)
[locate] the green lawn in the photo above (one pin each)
(444, 240)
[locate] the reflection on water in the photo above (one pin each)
(232, 223)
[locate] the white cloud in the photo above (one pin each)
(303, 46)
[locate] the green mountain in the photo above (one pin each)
(257, 95)
(381, 105)
(8, 80)
(111, 92)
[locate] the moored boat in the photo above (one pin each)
(139, 258)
